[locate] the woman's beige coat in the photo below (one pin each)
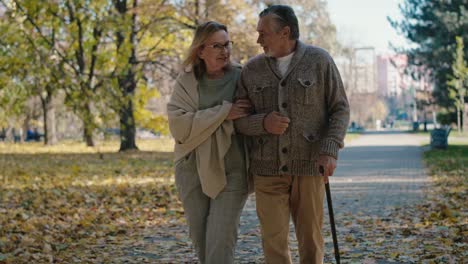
(207, 132)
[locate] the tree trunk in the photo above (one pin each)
(127, 127)
(197, 12)
(88, 127)
(458, 119)
(465, 118)
(127, 83)
(462, 111)
(88, 135)
(48, 110)
(425, 121)
(52, 131)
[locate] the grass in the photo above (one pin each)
(449, 170)
(69, 146)
(453, 133)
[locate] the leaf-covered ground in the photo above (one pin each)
(72, 204)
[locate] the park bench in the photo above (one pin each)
(439, 137)
(33, 136)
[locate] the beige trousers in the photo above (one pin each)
(277, 198)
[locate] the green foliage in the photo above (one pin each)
(49, 51)
(12, 99)
(94, 51)
(445, 117)
(458, 82)
(13, 91)
(144, 117)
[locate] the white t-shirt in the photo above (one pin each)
(283, 63)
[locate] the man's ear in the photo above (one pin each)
(286, 32)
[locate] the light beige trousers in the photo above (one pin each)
(213, 223)
(277, 198)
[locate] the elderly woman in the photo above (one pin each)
(210, 167)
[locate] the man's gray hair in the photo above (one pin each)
(284, 16)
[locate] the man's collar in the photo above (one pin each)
(298, 54)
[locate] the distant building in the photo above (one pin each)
(406, 94)
(390, 72)
(393, 80)
(372, 80)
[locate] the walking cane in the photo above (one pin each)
(332, 217)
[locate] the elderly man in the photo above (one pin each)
(298, 125)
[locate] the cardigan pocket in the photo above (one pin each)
(311, 141)
(263, 97)
(310, 137)
(306, 90)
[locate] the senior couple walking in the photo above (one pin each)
(268, 127)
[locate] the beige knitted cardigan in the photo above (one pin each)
(207, 132)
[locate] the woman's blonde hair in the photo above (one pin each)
(203, 32)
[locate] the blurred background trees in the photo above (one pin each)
(100, 67)
(79, 69)
(432, 27)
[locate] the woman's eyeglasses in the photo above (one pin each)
(220, 47)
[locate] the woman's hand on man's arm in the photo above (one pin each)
(240, 108)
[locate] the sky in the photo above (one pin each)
(364, 23)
